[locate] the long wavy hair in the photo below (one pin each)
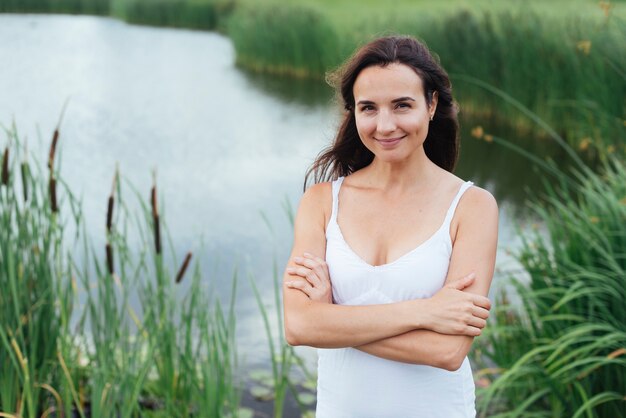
(347, 153)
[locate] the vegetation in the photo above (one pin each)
(556, 345)
(111, 358)
(560, 59)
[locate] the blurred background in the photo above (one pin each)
(224, 103)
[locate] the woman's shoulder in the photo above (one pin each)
(474, 197)
(477, 202)
(317, 201)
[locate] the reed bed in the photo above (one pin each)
(563, 66)
(96, 7)
(169, 354)
(193, 14)
(560, 350)
(563, 60)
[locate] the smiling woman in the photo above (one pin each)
(391, 285)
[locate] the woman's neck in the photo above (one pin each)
(401, 176)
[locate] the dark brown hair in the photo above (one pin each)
(347, 154)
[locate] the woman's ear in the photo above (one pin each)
(432, 107)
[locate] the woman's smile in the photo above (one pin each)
(389, 142)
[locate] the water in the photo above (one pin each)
(227, 146)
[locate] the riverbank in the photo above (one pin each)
(563, 60)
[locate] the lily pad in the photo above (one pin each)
(262, 393)
(310, 384)
(307, 398)
(245, 413)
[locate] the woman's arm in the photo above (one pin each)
(318, 324)
(474, 249)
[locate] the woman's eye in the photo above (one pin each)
(403, 106)
(367, 108)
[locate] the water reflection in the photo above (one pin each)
(305, 92)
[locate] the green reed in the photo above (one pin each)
(194, 14)
(97, 7)
(561, 65)
(147, 338)
(561, 350)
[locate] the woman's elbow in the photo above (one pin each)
(291, 336)
(294, 331)
(452, 360)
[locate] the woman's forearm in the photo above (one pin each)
(326, 325)
(422, 347)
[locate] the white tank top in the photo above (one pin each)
(354, 384)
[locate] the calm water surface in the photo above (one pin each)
(230, 148)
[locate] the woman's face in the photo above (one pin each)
(391, 112)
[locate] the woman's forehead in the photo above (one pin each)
(378, 83)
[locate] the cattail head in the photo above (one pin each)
(155, 216)
(109, 252)
(5, 167)
(183, 268)
(111, 204)
(52, 186)
(24, 171)
(53, 148)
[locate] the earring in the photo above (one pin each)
(431, 117)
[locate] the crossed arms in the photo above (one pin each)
(437, 331)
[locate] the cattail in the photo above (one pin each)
(53, 148)
(110, 214)
(155, 216)
(111, 204)
(24, 171)
(183, 268)
(109, 251)
(5, 167)
(52, 186)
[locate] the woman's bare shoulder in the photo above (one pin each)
(316, 203)
(477, 202)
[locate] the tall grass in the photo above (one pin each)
(193, 14)
(140, 344)
(297, 40)
(561, 350)
(97, 7)
(560, 65)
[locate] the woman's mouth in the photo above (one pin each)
(389, 142)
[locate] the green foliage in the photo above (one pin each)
(561, 349)
(97, 7)
(296, 40)
(194, 14)
(169, 350)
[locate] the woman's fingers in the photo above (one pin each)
(472, 331)
(477, 322)
(481, 301)
(480, 312)
(305, 273)
(300, 285)
(314, 263)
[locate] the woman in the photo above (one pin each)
(408, 247)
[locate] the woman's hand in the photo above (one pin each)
(314, 270)
(453, 311)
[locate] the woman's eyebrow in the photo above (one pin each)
(399, 99)
(403, 99)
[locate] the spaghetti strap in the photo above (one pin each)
(336, 185)
(455, 202)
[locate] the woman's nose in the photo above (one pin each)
(385, 123)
